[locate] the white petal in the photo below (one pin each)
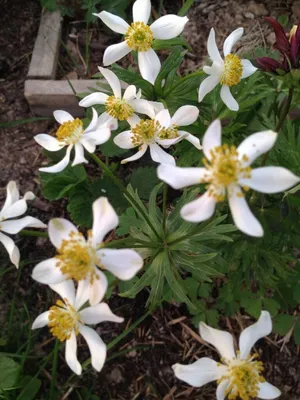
(268, 391)
(47, 272)
(15, 226)
(12, 195)
(98, 288)
(62, 116)
(96, 345)
(221, 390)
(113, 81)
(115, 52)
(164, 118)
(15, 210)
(199, 373)
(256, 144)
(214, 69)
(66, 290)
(61, 165)
(99, 313)
(212, 138)
(48, 142)
(192, 139)
(243, 217)
(124, 140)
(107, 121)
(11, 248)
(123, 263)
(179, 178)
(221, 340)
(88, 144)
(143, 107)
(29, 196)
(105, 219)
(149, 65)
(185, 115)
(82, 293)
(212, 48)
(157, 106)
(114, 22)
(141, 11)
(100, 136)
(93, 99)
(136, 156)
(71, 354)
(41, 321)
(270, 179)
(94, 121)
(130, 93)
(207, 85)
(253, 333)
(166, 143)
(160, 156)
(248, 69)
(200, 209)
(228, 99)
(79, 155)
(133, 120)
(168, 26)
(231, 40)
(59, 229)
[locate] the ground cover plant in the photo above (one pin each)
(224, 245)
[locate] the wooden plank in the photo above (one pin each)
(46, 49)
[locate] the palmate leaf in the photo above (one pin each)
(143, 180)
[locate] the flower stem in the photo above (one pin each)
(25, 232)
(165, 195)
(54, 369)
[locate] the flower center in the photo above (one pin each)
(118, 108)
(169, 133)
(70, 131)
(77, 258)
(225, 169)
(63, 319)
(139, 36)
(233, 70)
(144, 131)
(244, 378)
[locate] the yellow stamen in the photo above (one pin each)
(169, 133)
(139, 36)
(145, 131)
(118, 108)
(63, 319)
(70, 131)
(233, 70)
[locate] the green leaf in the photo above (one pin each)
(297, 333)
(128, 220)
(31, 386)
(282, 323)
(9, 372)
(271, 305)
(145, 280)
(159, 44)
(157, 284)
(143, 180)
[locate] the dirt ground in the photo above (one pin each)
(167, 336)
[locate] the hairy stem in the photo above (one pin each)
(165, 195)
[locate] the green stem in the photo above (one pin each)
(54, 369)
(25, 232)
(123, 189)
(185, 8)
(185, 78)
(165, 196)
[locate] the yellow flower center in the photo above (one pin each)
(225, 168)
(233, 70)
(70, 131)
(169, 133)
(139, 36)
(244, 378)
(63, 319)
(145, 131)
(118, 108)
(77, 258)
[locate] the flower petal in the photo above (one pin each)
(199, 373)
(88, 144)
(14, 210)
(137, 155)
(105, 219)
(41, 321)
(82, 293)
(93, 124)
(130, 93)
(207, 85)
(124, 140)
(133, 120)
(256, 144)
(160, 156)
(59, 229)
(98, 288)
(12, 195)
(107, 121)
(212, 138)
(166, 143)
(141, 10)
(212, 48)
(228, 99)
(164, 118)
(15, 226)
(79, 155)
(93, 99)
(61, 165)
(248, 69)
(114, 22)
(99, 136)
(123, 263)
(115, 52)
(200, 209)
(179, 178)
(185, 115)
(253, 333)
(113, 81)
(71, 354)
(48, 273)
(221, 389)
(231, 40)
(48, 142)
(191, 138)
(142, 106)
(149, 65)
(221, 340)
(66, 290)
(168, 26)
(62, 116)
(11, 248)
(270, 179)
(96, 345)
(268, 391)
(243, 217)
(99, 313)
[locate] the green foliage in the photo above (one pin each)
(143, 180)
(9, 373)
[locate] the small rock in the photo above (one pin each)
(296, 8)
(271, 38)
(116, 376)
(257, 9)
(249, 15)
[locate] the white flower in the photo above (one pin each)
(83, 260)
(12, 208)
(162, 130)
(239, 375)
(72, 134)
(118, 107)
(228, 72)
(65, 321)
(139, 36)
(228, 171)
